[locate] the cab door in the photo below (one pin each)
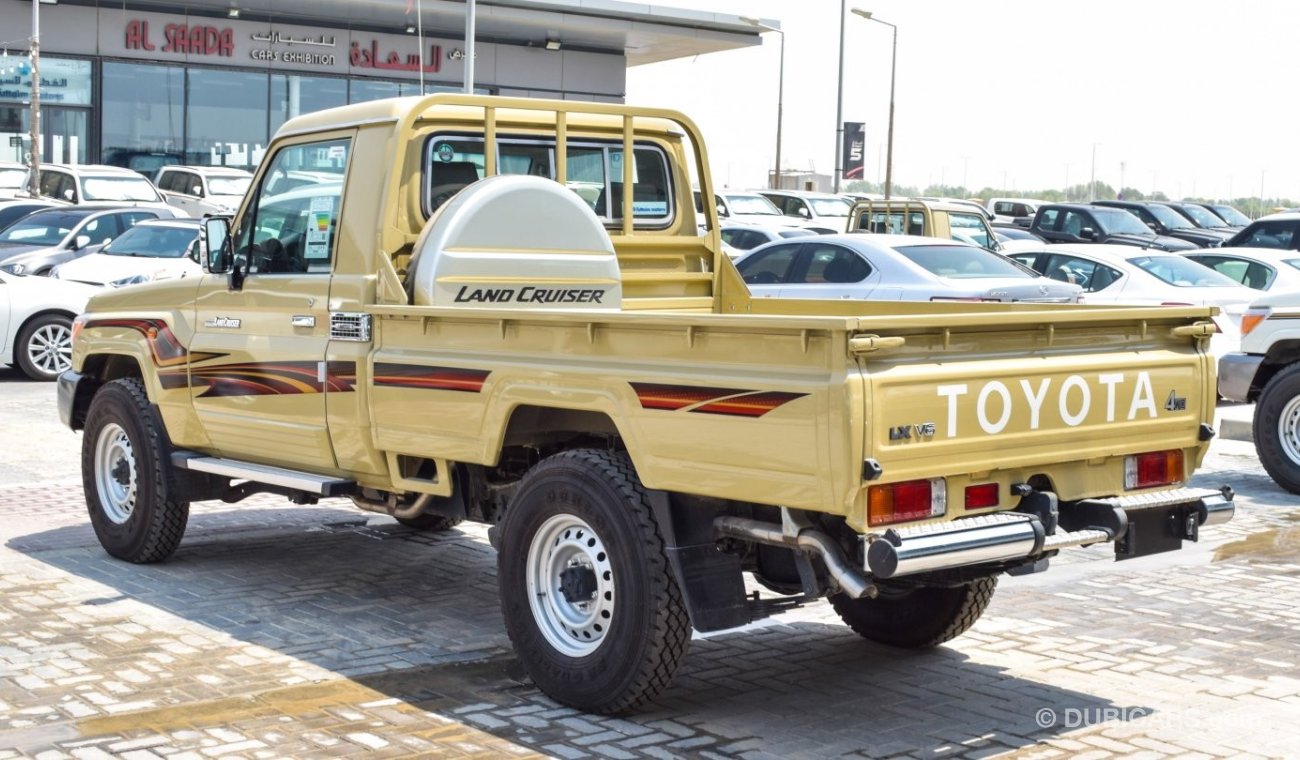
(256, 370)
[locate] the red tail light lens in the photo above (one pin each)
(982, 496)
(909, 500)
(1155, 468)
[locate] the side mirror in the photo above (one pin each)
(69, 195)
(722, 211)
(803, 212)
(197, 190)
(81, 241)
(214, 245)
(1088, 233)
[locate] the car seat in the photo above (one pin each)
(449, 178)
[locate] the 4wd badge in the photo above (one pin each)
(1175, 403)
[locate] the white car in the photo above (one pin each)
(743, 237)
(153, 250)
(99, 185)
(821, 211)
(894, 268)
(1257, 268)
(36, 316)
(747, 207)
(13, 179)
(199, 190)
(1125, 274)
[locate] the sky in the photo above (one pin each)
(1189, 97)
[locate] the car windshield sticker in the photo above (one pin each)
(445, 152)
(318, 228)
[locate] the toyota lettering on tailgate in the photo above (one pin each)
(1071, 401)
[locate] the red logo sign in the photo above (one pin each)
(182, 38)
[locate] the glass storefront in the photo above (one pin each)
(65, 110)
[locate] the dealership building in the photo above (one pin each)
(209, 81)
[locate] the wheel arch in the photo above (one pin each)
(96, 370)
(1281, 354)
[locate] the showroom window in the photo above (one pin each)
(293, 95)
(143, 125)
(226, 118)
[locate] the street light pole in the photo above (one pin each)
(839, 107)
(34, 162)
(780, 94)
(469, 47)
(893, 68)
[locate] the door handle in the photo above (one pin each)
(303, 320)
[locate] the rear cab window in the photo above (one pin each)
(594, 171)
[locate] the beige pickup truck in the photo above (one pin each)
(932, 218)
(502, 310)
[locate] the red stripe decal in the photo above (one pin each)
(395, 375)
(674, 397)
(751, 405)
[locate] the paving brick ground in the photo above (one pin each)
(281, 631)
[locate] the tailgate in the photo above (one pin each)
(1009, 405)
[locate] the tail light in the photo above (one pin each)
(909, 500)
(1251, 318)
(1154, 468)
(982, 496)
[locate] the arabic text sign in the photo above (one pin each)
(63, 82)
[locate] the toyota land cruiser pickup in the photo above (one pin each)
(911, 216)
(501, 310)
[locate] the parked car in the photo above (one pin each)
(822, 209)
(145, 162)
(1256, 268)
(743, 237)
(1273, 231)
(1083, 223)
(972, 206)
(1122, 274)
(1227, 213)
(154, 249)
(744, 207)
(36, 323)
(1165, 221)
(94, 184)
(1201, 216)
(1007, 232)
(42, 240)
(12, 211)
(199, 190)
(1018, 211)
(13, 179)
(894, 268)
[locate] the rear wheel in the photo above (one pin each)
(44, 348)
(920, 618)
(127, 476)
(1277, 428)
(586, 591)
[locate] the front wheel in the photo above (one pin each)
(1277, 428)
(44, 348)
(918, 618)
(128, 480)
(588, 597)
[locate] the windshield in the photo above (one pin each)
(830, 206)
(229, 185)
(153, 242)
(1170, 218)
(41, 229)
(962, 262)
(1183, 273)
(1202, 216)
(752, 204)
(1115, 221)
(12, 179)
(118, 189)
(1231, 215)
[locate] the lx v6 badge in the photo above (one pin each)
(911, 432)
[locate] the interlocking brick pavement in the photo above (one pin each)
(280, 631)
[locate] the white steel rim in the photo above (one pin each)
(50, 348)
(574, 626)
(115, 473)
(1288, 429)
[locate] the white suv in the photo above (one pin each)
(199, 190)
(96, 185)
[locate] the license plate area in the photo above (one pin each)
(1157, 530)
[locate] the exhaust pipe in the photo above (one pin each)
(851, 581)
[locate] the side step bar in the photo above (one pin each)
(293, 480)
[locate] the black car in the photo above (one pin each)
(1165, 221)
(1083, 223)
(1277, 231)
(1009, 231)
(12, 211)
(1202, 217)
(1228, 214)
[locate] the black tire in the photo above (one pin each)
(1276, 428)
(919, 619)
(44, 347)
(624, 647)
(128, 478)
(432, 523)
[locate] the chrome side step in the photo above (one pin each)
(293, 480)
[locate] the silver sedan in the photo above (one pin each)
(894, 268)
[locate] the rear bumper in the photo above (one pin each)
(1138, 525)
(1236, 373)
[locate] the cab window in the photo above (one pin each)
(291, 226)
(969, 228)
